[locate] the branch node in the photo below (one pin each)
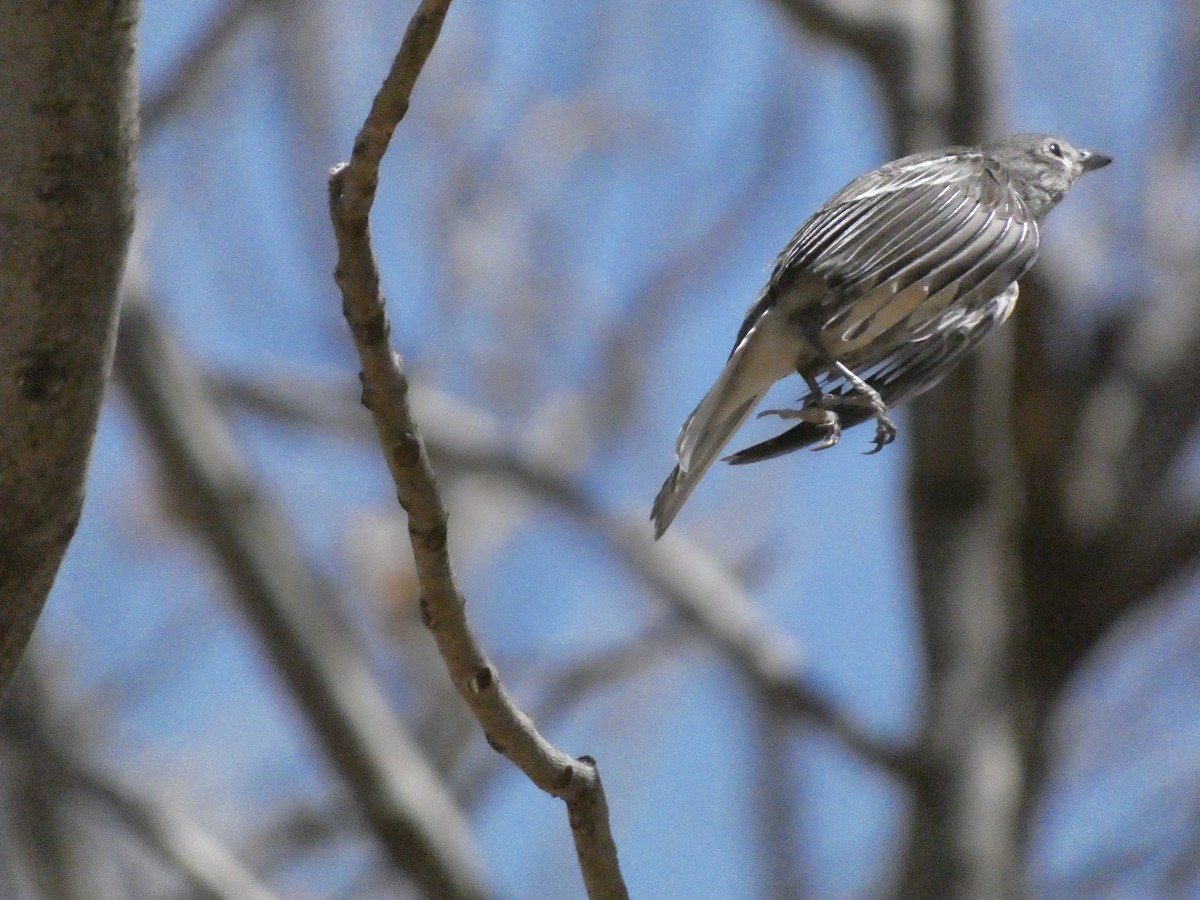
(373, 329)
(406, 452)
(482, 680)
(367, 397)
(433, 536)
(564, 779)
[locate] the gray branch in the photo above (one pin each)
(45, 748)
(209, 866)
(385, 393)
(68, 104)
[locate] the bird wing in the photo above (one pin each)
(919, 260)
(897, 245)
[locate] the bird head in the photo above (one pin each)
(1043, 167)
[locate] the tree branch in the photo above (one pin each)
(68, 103)
(385, 393)
(904, 44)
(965, 508)
(864, 28)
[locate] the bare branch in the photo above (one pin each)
(965, 512)
(603, 668)
(385, 392)
(864, 27)
(938, 80)
(295, 615)
(563, 691)
(905, 45)
(68, 104)
(774, 807)
(707, 597)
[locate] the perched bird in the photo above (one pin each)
(880, 294)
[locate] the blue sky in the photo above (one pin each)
(686, 104)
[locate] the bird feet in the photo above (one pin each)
(822, 412)
(826, 420)
(885, 428)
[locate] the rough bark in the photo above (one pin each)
(68, 101)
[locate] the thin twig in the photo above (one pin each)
(385, 394)
(562, 692)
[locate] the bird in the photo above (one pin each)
(882, 291)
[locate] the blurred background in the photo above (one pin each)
(963, 667)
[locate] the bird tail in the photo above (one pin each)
(760, 359)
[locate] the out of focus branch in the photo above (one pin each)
(711, 600)
(208, 865)
(385, 392)
(936, 63)
(674, 281)
(774, 806)
(295, 614)
(905, 44)
(965, 510)
(187, 79)
(48, 760)
(1108, 426)
(868, 28)
(563, 690)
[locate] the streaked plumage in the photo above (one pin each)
(880, 294)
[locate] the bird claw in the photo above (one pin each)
(828, 422)
(885, 428)
(885, 432)
(819, 413)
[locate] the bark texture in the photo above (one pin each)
(68, 101)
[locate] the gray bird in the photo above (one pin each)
(879, 295)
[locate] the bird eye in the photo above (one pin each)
(1054, 149)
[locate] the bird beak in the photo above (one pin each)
(1090, 161)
